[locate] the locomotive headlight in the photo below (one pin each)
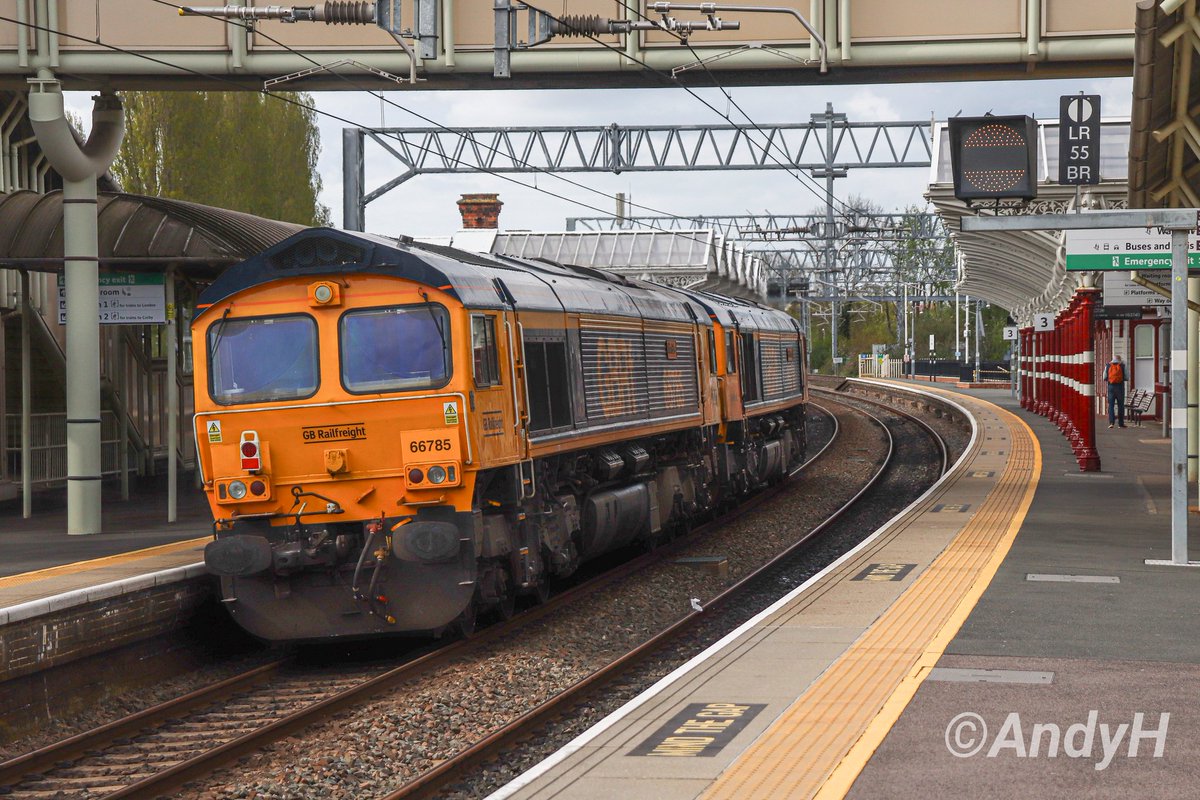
(323, 293)
(237, 490)
(437, 475)
(415, 475)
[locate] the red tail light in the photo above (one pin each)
(251, 457)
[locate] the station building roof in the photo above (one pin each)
(136, 233)
(697, 259)
(1164, 146)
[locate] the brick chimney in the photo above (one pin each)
(480, 210)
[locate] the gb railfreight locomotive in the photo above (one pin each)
(394, 436)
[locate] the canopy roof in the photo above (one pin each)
(136, 233)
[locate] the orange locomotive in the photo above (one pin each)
(394, 437)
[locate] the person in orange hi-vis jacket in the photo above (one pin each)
(1114, 376)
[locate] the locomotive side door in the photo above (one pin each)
(493, 399)
(731, 387)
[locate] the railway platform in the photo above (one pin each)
(65, 597)
(1003, 637)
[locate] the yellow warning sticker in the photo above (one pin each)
(450, 411)
(213, 426)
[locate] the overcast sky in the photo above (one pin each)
(425, 205)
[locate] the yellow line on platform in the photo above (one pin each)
(822, 742)
(106, 561)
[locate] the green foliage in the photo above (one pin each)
(238, 150)
(870, 323)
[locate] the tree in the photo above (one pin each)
(238, 150)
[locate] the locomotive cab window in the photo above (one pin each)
(730, 354)
(252, 360)
(395, 349)
(484, 358)
(712, 352)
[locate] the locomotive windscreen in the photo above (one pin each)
(262, 358)
(395, 349)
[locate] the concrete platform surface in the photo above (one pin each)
(38, 559)
(1121, 639)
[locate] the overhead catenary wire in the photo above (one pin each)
(242, 86)
(800, 177)
(383, 132)
(729, 97)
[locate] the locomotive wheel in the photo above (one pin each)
(506, 606)
(465, 624)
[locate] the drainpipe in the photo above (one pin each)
(22, 35)
(79, 168)
(52, 34)
(448, 43)
(8, 124)
(26, 401)
(14, 158)
(1033, 28)
(172, 399)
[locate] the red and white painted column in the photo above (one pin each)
(1087, 456)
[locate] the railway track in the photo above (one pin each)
(153, 753)
(501, 742)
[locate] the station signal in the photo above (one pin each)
(994, 158)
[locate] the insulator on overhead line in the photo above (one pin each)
(583, 25)
(348, 12)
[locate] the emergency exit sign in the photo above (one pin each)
(1079, 139)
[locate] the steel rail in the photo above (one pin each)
(429, 782)
(943, 450)
(77, 746)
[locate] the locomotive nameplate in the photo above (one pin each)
(324, 434)
(430, 445)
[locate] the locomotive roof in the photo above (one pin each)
(482, 281)
(477, 280)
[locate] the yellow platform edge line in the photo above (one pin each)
(844, 775)
(82, 566)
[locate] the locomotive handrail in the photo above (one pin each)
(525, 418)
(461, 398)
(524, 373)
(512, 366)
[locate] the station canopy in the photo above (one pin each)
(136, 233)
(1164, 147)
(694, 259)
